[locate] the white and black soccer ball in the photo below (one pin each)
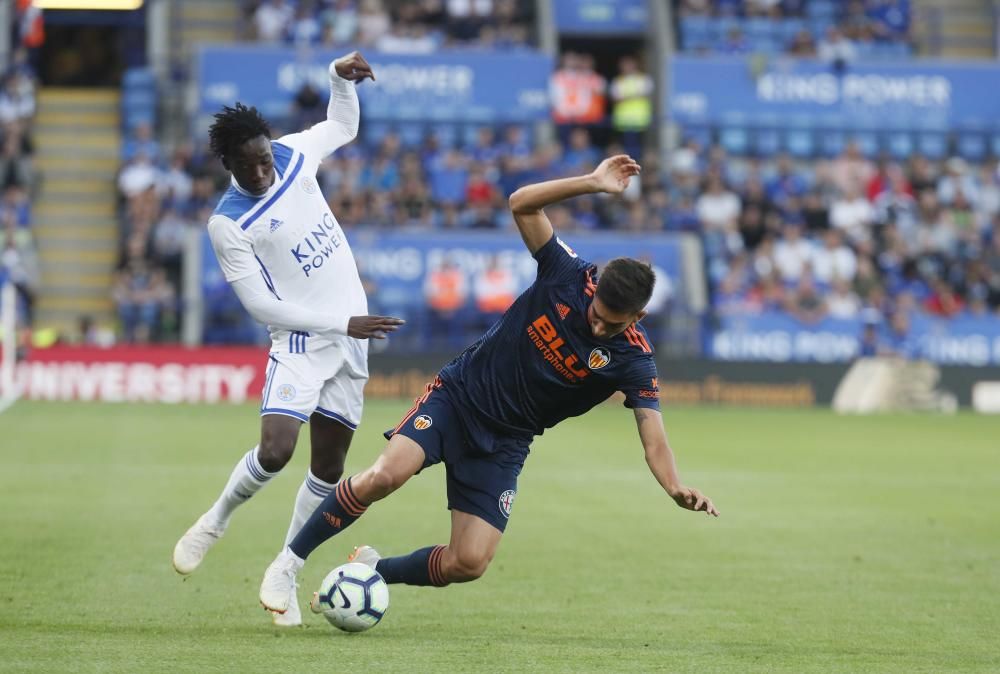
(353, 597)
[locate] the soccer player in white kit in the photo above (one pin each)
(285, 255)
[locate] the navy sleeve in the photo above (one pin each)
(557, 261)
(641, 386)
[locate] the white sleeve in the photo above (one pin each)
(233, 248)
(343, 113)
(260, 303)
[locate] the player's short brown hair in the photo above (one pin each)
(625, 285)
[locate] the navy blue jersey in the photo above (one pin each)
(540, 363)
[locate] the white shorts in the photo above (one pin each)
(329, 381)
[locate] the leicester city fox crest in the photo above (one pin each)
(308, 185)
(599, 357)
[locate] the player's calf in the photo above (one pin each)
(463, 564)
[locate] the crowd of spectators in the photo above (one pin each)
(841, 238)
(845, 237)
(397, 26)
(161, 197)
(18, 183)
(838, 31)
(848, 238)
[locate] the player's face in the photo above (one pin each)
(253, 165)
(605, 323)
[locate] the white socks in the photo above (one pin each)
(248, 477)
(311, 494)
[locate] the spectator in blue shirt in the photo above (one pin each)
(448, 177)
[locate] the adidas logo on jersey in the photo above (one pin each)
(563, 311)
(275, 223)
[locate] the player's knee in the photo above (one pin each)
(275, 450)
(329, 469)
(467, 565)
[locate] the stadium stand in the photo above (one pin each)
(19, 183)
(801, 216)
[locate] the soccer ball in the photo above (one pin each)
(353, 597)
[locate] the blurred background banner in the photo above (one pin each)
(483, 86)
(399, 262)
(778, 337)
(400, 269)
(601, 17)
(718, 89)
(781, 338)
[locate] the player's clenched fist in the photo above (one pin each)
(377, 327)
(353, 67)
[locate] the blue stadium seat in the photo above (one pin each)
(735, 139)
(819, 26)
(899, 144)
(789, 28)
(821, 9)
(759, 29)
(723, 26)
(932, 143)
(446, 134)
(800, 142)
(470, 134)
(868, 142)
(767, 141)
(138, 78)
(374, 133)
(768, 45)
(832, 136)
(697, 32)
(411, 134)
(971, 145)
(995, 143)
(697, 132)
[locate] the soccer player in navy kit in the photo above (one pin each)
(569, 342)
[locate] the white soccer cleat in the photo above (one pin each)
(292, 617)
(195, 544)
(278, 587)
(365, 554)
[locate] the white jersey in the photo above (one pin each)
(289, 235)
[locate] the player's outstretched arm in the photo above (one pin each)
(343, 112)
(611, 177)
(660, 459)
(234, 250)
(265, 308)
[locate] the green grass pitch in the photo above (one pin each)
(845, 544)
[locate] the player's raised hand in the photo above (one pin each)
(353, 67)
(690, 498)
(613, 174)
(372, 327)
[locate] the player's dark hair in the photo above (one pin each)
(626, 285)
(235, 126)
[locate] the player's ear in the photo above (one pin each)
(225, 162)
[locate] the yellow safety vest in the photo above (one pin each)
(634, 111)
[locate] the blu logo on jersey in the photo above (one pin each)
(548, 341)
(318, 246)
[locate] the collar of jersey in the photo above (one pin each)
(270, 190)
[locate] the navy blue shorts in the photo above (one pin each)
(481, 467)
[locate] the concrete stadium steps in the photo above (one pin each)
(204, 21)
(78, 149)
(958, 29)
